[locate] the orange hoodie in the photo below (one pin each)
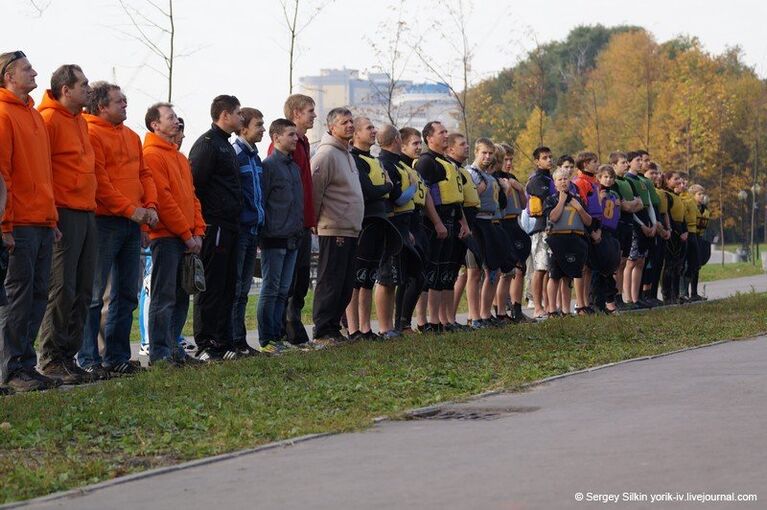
(124, 183)
(178, 207)
(72, 158)
(25, 163)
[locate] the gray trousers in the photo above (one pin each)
(71, 286)
(26, 285)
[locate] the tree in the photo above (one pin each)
(295, 24)
(458, 14)
(534, 135)
(155, 28)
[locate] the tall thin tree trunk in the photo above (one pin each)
(170, 57)
(292, 46)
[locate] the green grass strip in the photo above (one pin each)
(63, 439)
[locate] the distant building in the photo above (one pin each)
(412, 104)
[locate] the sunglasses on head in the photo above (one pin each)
(16, 55)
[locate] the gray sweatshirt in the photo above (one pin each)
(338, 202)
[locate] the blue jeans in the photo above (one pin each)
(118, 259)
(246, 266)
(169, 304)
(29, 268)
(277, 265)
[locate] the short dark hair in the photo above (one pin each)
(181, 124)
(279, 126)
(429, 129)
(632, 155)
(584, 158)
(153, 114)
(452, 138)
(616, 156)
(221, 104)
(249, 114)
(337, 112)
(64, 76)
(540, 150)
(566, 157)
(99, 96)
(408, 132)
(653, 165)
(642, 152)
(606, 169)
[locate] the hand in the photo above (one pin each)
(683, 237)
(144, 239)
(57, 235)
(199, 244)
(151, 217)
(465, 231)
(139, 215)
(441, 230)
(562, 195)
(596, 236)
(314, 230)
(193, 245)
(9, 241)
(602, 194)
(505, 184)
(666, 234)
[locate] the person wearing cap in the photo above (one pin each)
(29, 224)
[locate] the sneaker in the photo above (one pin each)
(62, 371)
(477, 324)
(23, 381)
(695, 298)
(518, 316)
(357, 335)
(370, 335)
(392, 334)
(207, 355)
(643, 304)
(143, 350)
(434, 329)
(326, 341)
(97, 372)
(6, 390)
(247, 351)
(450, 328)
(270, 349)
(125, 368)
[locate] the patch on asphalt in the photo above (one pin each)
(469, 413)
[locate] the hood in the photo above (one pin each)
(328, 139)
(50, 103)
(6, 96)
(98, 121)
(153, 140)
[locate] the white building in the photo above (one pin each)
(411, 104)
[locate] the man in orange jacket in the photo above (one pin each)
(178, 231)
(126, 198)
(29, 225)
(74, 256)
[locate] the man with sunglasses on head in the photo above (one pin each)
(28, 226)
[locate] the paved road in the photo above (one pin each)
(689, 422)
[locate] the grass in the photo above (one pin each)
(63, 439)
(714, 271)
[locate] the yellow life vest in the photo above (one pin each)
(406, 180)
(470, 194)
(420, 194)
(376, 172)
(691, 212)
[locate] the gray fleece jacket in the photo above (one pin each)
(338, 202)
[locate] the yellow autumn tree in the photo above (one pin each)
(533, 135)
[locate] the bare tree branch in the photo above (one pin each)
(290, 11)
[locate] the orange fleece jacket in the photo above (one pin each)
(178, 207)
(124, 182)
(72, 157)
(25, 163)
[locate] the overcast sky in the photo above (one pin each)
(239, 46)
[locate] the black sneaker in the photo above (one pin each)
(518, 316)
(431, 329)
(62, 371)
(246, 351)
(125, 368)
(208, 355)
(97, 372)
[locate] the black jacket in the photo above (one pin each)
(216, 175)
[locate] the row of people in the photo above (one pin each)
(396, 228)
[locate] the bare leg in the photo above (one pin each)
(420, 309)
(552, 290)
(472, 293)
(365, 306)
(384, 297)
(352, 313)
(460, 286)
(487, 294)
(435, 300)
(537, 288)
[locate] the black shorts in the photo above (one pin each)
(519, 241)
(494, 245)
(640, 245)
(440, 266)
(625, 232)
(568, 255)
(377, 244)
